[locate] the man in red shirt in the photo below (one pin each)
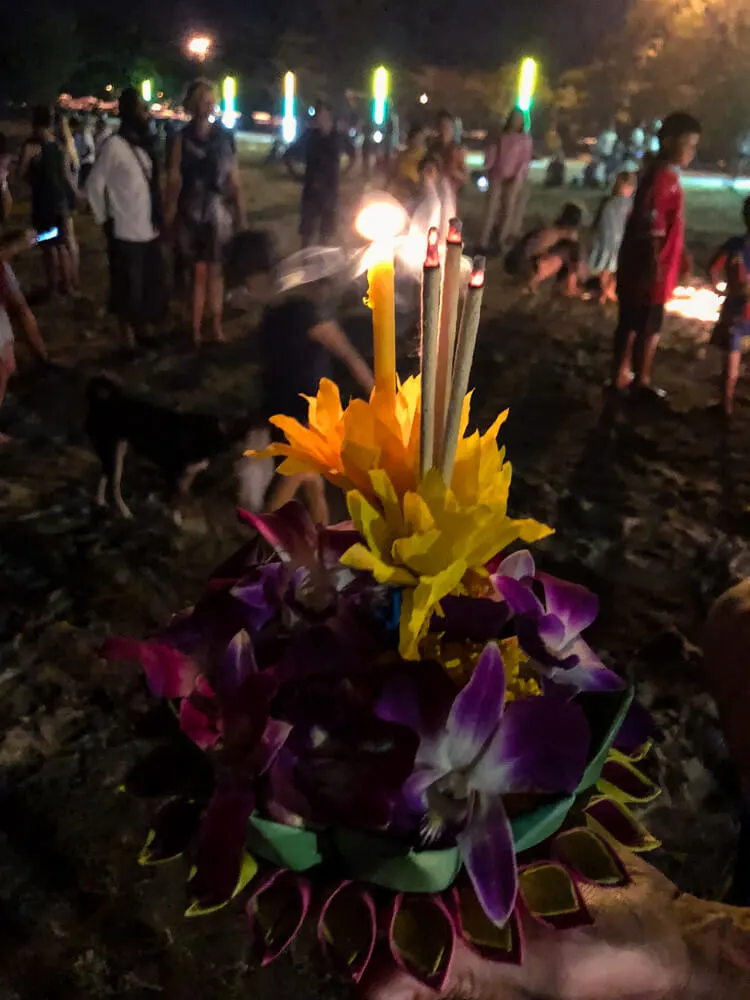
(652, 254)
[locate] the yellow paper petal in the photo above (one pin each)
(358, 557)
(418, 605)
(247, 874)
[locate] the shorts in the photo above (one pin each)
(728, 335)
(642, 319)
(136, 282)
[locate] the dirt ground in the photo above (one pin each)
(650, 509)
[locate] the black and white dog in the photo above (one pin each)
(180, 444)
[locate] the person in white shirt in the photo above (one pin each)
(83, 141)
(124, 194)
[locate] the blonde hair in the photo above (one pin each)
(194, 93)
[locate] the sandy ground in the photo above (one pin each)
(650, 509)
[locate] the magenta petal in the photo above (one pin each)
(520, 598)
(487, 848)
(170, 674)
(335, 540)
(517, 566)
(221, 845)
(347, 929)
(477, 708)
(542, 745)
(575, 606)
(200, 718)
(276, 912)
(290, 531)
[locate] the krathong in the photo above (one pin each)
(394, 727)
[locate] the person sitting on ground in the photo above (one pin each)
(406, 182)
(298, 339)
(13, 306)
(652, 257)
(42, 165)
(555, 174)
(609, 229)
(552, 251)
(731, 264)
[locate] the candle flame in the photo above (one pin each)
(381, 220)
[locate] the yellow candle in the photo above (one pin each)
(382, 299)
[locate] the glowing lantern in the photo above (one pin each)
(380, 85)
(229, 92)
(289, 114)
(526, 86)
(146, 91)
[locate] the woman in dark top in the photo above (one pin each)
(42, 165)
(204, 203)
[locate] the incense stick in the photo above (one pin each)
(430, 318)
(467, 339)
(447, 332)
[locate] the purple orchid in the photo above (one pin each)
(487, 749)
(549, 631)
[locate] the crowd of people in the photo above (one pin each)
(191, 195)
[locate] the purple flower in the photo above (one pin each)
(550, 631)
(488, 749)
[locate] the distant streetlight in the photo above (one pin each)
(199, 46)
(423, 98)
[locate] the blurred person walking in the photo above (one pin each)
(42, 166)
(204, 204)
(506, 164)
(124, 193)
(451, 158)
(85, 147)
(320, 148)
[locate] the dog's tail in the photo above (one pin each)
(102, 389)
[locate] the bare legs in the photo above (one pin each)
(58, 264)
(208, 295)
(730, 374)
(7, 368)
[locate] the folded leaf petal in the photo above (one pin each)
(622, 781)
(347, 929)
(174, 827)
(220, 847)
(552, 897)
(499, 944)
(617, 824)
(589, 857)
(422, 938)
(276, 911)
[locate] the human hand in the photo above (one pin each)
(646, 943)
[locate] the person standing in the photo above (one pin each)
(83, 140)
(320, 149)
(125, 197)
(651, 257)
(42, 165)
(451, 158)
(204, 204)
(507, 165)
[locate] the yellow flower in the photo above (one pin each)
(430, 538)
(460, 659)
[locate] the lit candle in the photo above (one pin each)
(467, 339)
(447, 332)
(430, 320)
(381, 221)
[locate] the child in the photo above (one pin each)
(732, 265)
(651, 257)
(609, 229)
(13, 303)
(549, 252)
(298, 338)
